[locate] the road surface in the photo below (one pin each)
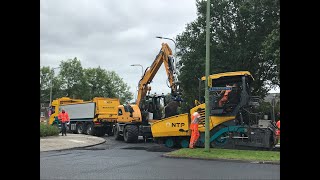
(118, 160)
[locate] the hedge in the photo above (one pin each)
(48, 130)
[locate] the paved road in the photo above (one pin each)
(118, 160)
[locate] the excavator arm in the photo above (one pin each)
(164, 56)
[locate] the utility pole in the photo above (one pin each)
(207, 124)
(273, 102)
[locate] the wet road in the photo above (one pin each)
(118, 160)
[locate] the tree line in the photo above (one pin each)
(74, 81)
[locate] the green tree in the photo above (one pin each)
(46, 74)
(57, 92)
(244, 36)
(97, 84)
(76, 82)
(71, 75)
(119, 88)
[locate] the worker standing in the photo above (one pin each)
(195, 117)
(64, 118)
(278, 126)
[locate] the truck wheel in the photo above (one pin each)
(79, 128)
(130, 133)
(117, 133)
(89, 129)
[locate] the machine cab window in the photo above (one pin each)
(226, 94)
(120, 112)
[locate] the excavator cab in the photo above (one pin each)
(152, 106)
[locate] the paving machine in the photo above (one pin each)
(233, 124)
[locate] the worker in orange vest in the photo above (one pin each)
(195, 117)
(64, 118)
(278, 128)
(225, 93)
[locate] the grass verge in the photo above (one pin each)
(48, 130)
(272, 156)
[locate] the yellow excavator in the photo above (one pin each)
(135, 119)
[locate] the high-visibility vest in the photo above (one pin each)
(64, 117)
(278, 124)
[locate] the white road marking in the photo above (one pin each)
(76, 141)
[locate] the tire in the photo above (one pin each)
(89, 129)
(130, 133)
(117, 135)
(80, 128)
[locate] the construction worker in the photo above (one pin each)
(225, 93)
(278, 126)
(63, 118)
(195, 117)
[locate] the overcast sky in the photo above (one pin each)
(112, 34)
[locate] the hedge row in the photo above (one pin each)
(48, 130)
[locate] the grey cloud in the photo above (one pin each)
(112, 34)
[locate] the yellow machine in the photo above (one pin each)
(232, 125)
(95, 117)
(54, 109)
(134, 120)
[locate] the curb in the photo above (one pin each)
(77, 147)
(84, 146)
(223, 160)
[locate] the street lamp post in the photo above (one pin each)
(175, 55)
(51, 86)
(141, 74)
(175, 45)
(140, 66)
(273, 105)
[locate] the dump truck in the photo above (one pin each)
(236, 124)
(95, 117)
